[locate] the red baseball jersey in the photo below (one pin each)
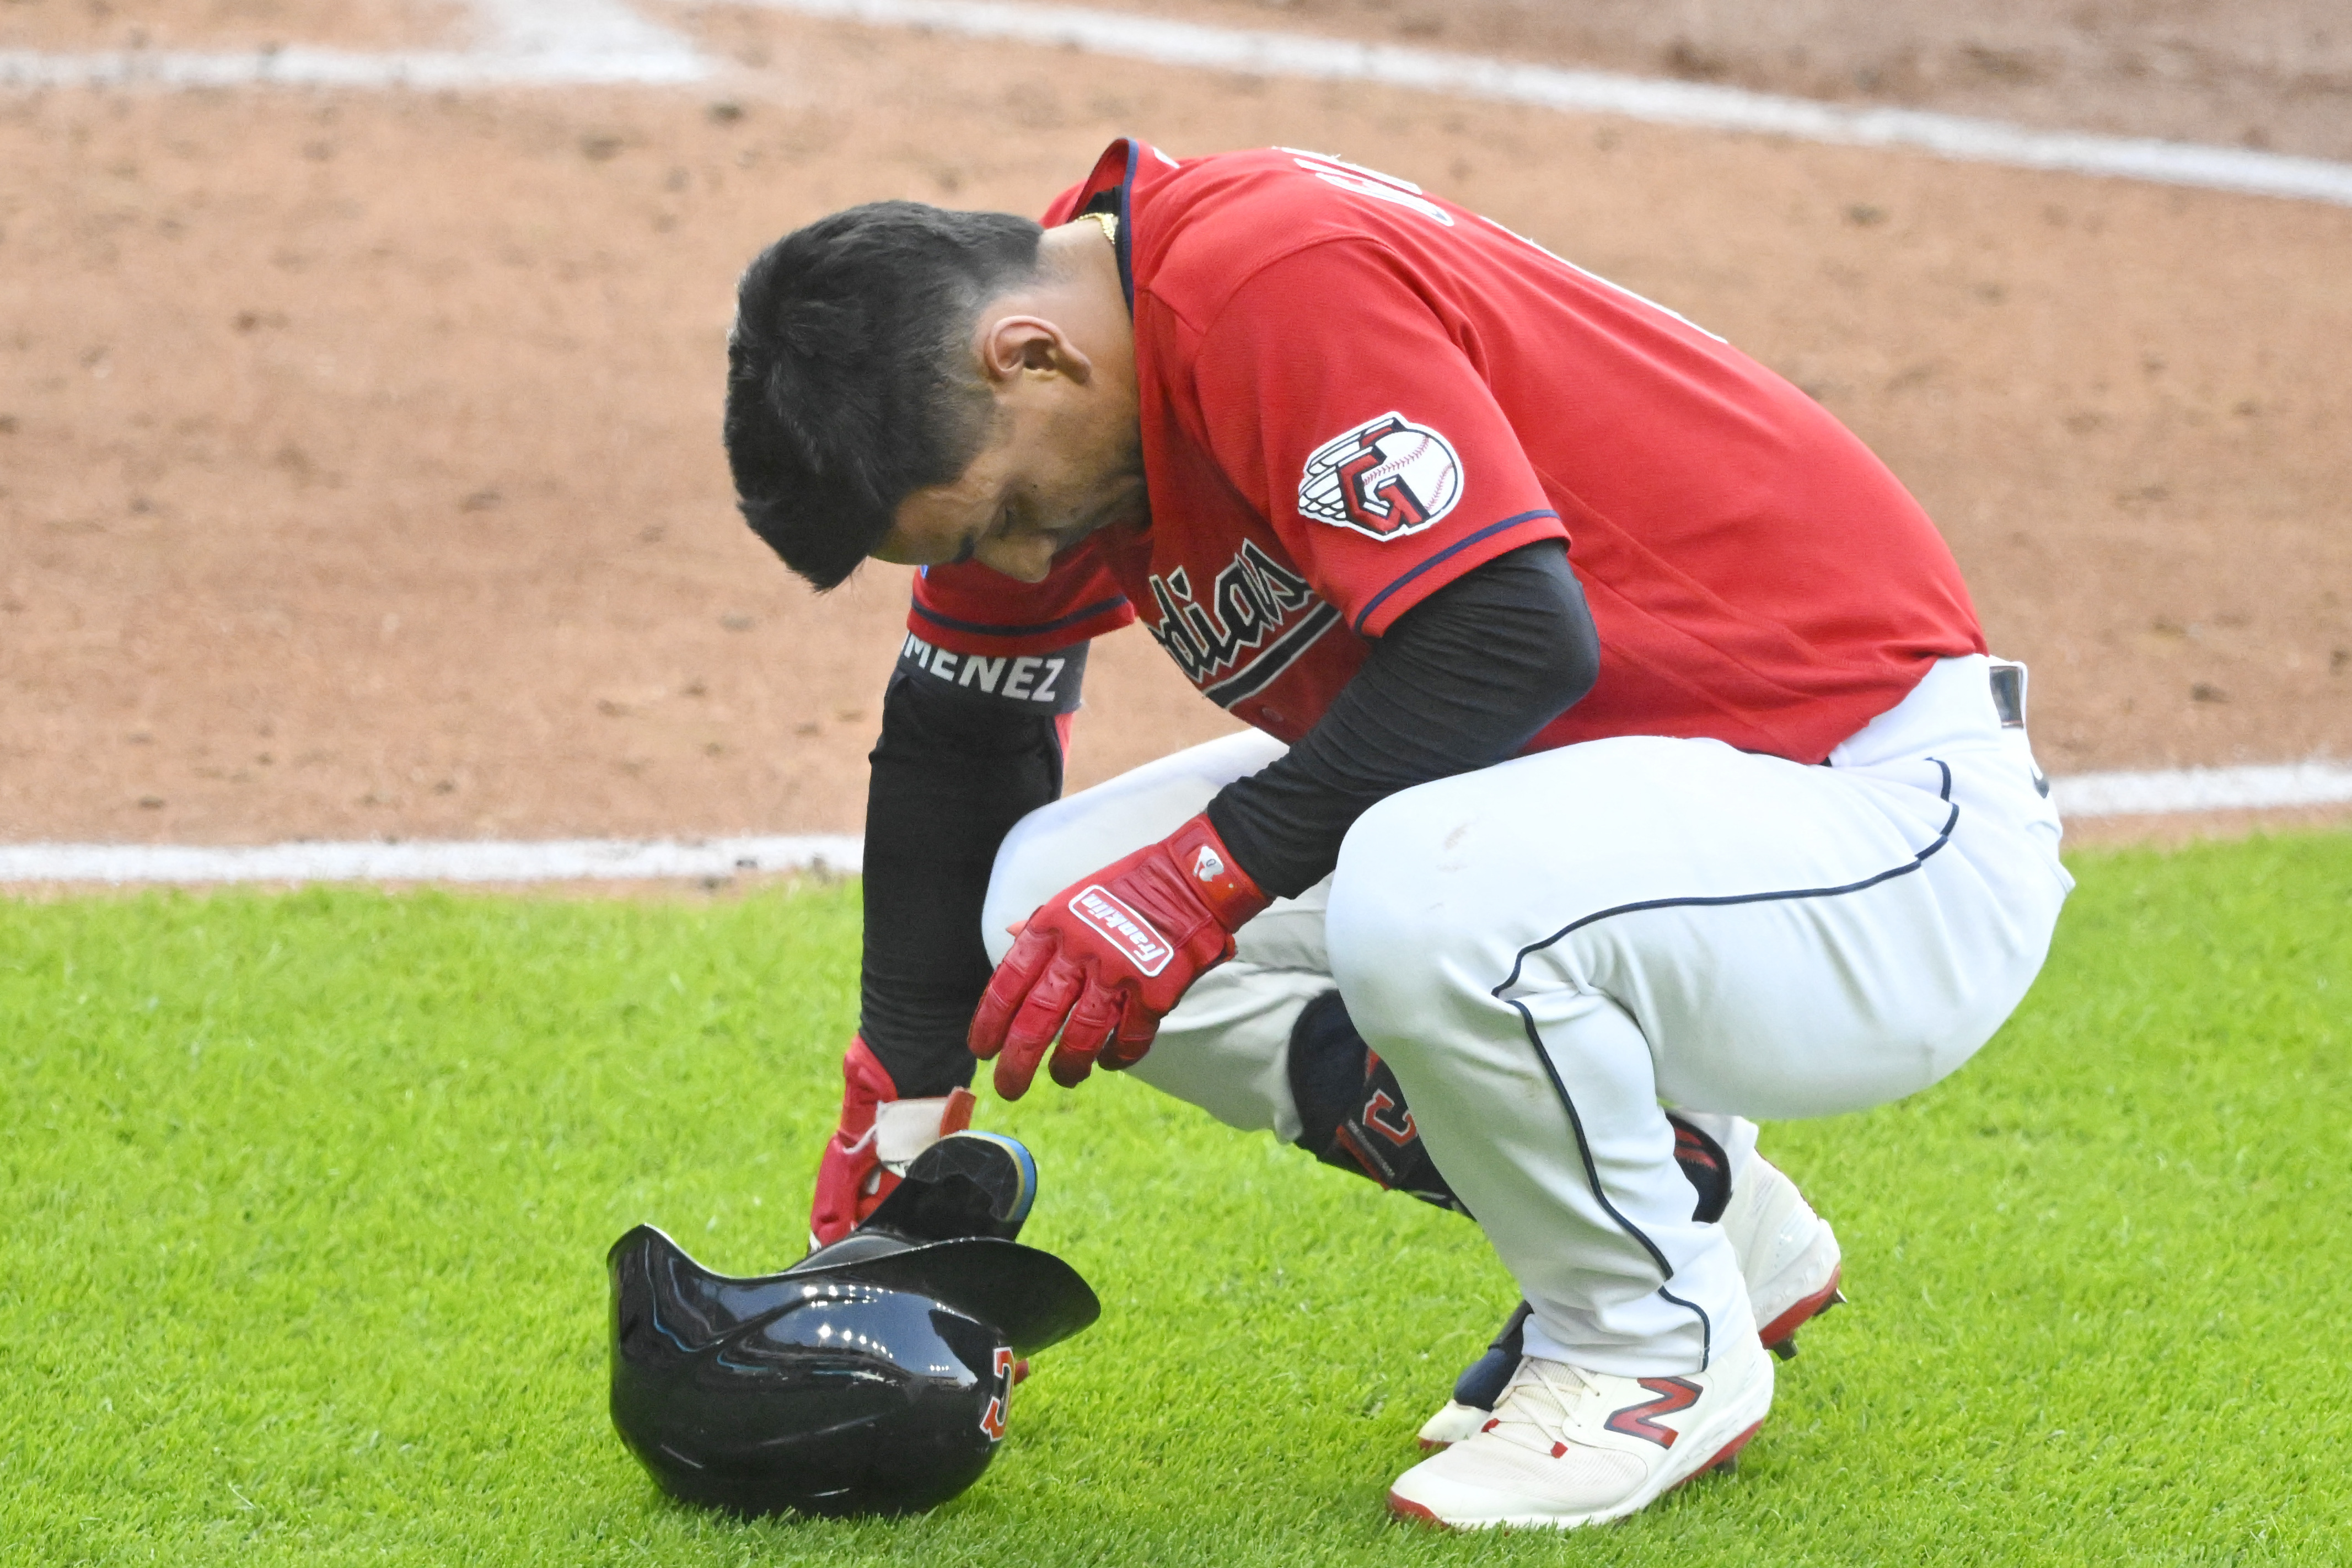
(1353, 392)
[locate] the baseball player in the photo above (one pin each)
(1624, 760)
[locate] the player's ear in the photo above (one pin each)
(1014, 345)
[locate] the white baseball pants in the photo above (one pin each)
(1547, 950)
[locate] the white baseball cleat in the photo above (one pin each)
(1787, 1256)
(1566, 1446)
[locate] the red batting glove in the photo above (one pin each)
(1103, 960)
(878, 1130)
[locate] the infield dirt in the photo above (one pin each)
(359, 471)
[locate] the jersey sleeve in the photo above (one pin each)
(1337, 400)
(987, 635)
(968, 608)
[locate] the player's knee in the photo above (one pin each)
(1029, 870)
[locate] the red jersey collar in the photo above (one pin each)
(1123, 180)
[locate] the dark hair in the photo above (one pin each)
(849, 382)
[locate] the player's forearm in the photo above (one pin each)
(1461, 681)
(950, 779)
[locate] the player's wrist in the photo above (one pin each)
(1215, 877)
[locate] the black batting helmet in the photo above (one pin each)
(873, 1376)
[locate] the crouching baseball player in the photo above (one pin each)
(1624, 760)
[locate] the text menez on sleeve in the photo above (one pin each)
(1046, 682)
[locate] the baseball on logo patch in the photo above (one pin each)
(1385, 479)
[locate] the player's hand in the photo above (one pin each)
(878, 1136)
(1104, 960)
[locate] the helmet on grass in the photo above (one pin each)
(875, 1376)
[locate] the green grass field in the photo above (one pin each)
(308, 1200)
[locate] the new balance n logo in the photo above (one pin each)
(1673, 1393)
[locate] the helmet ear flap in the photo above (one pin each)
(636, 1261)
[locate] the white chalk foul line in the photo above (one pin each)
(520, 43)
(1131, 36)
(459, 861)
(2314, 782)
(298, 67)
(592, 859)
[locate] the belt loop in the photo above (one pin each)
(2008, 692)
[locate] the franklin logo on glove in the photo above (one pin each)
(1142, 946)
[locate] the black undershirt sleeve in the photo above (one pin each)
(1462, 681)
(951, 775)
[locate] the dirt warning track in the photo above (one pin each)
(358, 460)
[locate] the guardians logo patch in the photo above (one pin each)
(1385, 479)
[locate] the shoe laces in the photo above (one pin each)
(1536, 1405)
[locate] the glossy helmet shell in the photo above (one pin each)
(820, 1392)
